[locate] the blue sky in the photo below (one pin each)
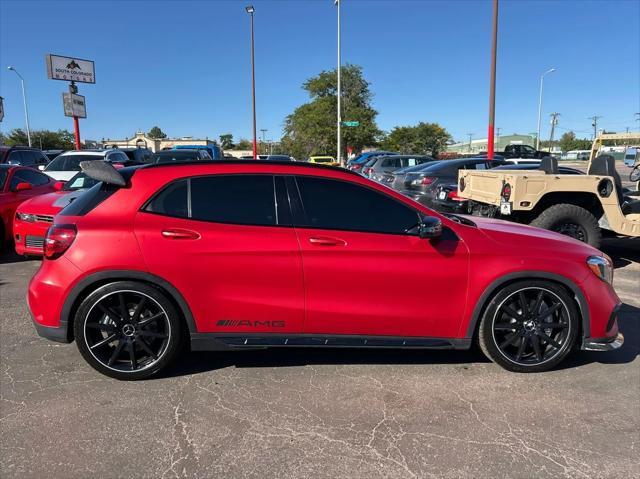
(184, 65)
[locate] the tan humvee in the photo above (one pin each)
(575, 205)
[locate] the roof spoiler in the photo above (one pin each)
(103, 171)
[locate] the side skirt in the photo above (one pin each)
(225, 342)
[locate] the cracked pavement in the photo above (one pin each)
(321, 413)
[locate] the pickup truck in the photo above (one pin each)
(521, 151)
(573, 205)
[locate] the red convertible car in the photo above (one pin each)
(18, 184)
(34, 216)
(230, 255)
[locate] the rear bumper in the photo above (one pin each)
(603, 344)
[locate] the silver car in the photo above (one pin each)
(379, 167)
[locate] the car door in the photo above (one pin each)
(366, 272)
(227, 244)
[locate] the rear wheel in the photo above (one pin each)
(529, 326)
(570, 220)
(127, 330)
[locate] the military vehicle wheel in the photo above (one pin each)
(570, 220)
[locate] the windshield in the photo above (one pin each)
(79, 182)
(70, 162)
(170, 156)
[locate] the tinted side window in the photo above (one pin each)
(172, 201)
(33, 177)
(241, 199)
(339, 205)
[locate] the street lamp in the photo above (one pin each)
(250, 10)
(339, 142)
(24, 101)
(540, 105)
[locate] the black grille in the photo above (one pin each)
(34, 241)
(44, 218)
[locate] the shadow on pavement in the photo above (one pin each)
(9, 256)
(199, 362)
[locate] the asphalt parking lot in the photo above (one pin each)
(329, 413)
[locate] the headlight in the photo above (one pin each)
(601, 267)
(26, 217)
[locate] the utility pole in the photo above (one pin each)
(594, 124)
(339, 93)
(263, 131)
(470, 136)
(554, 122)
(250, 10)
(492, 87)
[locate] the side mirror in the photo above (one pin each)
(58, 185)
(430, 227)
(635, 174)
(41, 167)
(22, 187)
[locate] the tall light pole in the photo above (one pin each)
(492, 88)
(250, 10)
(540, 105)
(24, 101)
(339, 142)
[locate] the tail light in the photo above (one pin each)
(506, 192)
(58, 240)
(355, 167)
(365, 171)
(453, 196)
(426, 181)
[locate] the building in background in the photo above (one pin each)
(141, 140)
(480, 145)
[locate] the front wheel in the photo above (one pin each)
(127, 330)
(529, 326)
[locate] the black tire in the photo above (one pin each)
(142, 343)
(570, 220)
(533, 338)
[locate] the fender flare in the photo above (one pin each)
(581, 301)
(123, 275)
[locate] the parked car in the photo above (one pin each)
(180, 156)
(66, 165)
(277, 158)
(34, 216)
(23, 156)
(136, 155)
(446, 197)
(396, 178)
(325, 160)
(51, 154)
(521, 151)
(358, 162)
(378, 166)
(421, 185)
(214, 151)
(17, 184)
(259, 259)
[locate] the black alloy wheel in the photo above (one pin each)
(529, 326)
(127, 330)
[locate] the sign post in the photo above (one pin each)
(73, 70)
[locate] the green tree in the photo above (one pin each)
(226, 141)
(423, 139)
(568, 142)
(156, 133)
(243, 144)
(45, 139)
(311, 129)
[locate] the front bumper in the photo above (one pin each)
(29, 237)
(603, 344)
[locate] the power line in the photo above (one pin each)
(594, 119)
(554, 123)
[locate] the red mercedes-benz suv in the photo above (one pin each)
(242, 254)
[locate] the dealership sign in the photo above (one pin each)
(74, 105)
(70, 69)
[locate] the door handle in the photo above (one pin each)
(179, 233)
(327, 241)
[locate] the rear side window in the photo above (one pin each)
(235, 199)
(340, 205)
(242, 199)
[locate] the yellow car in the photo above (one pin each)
(324, 160)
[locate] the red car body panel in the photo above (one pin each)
(43, 206)
(9, 200)
(280, 281)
